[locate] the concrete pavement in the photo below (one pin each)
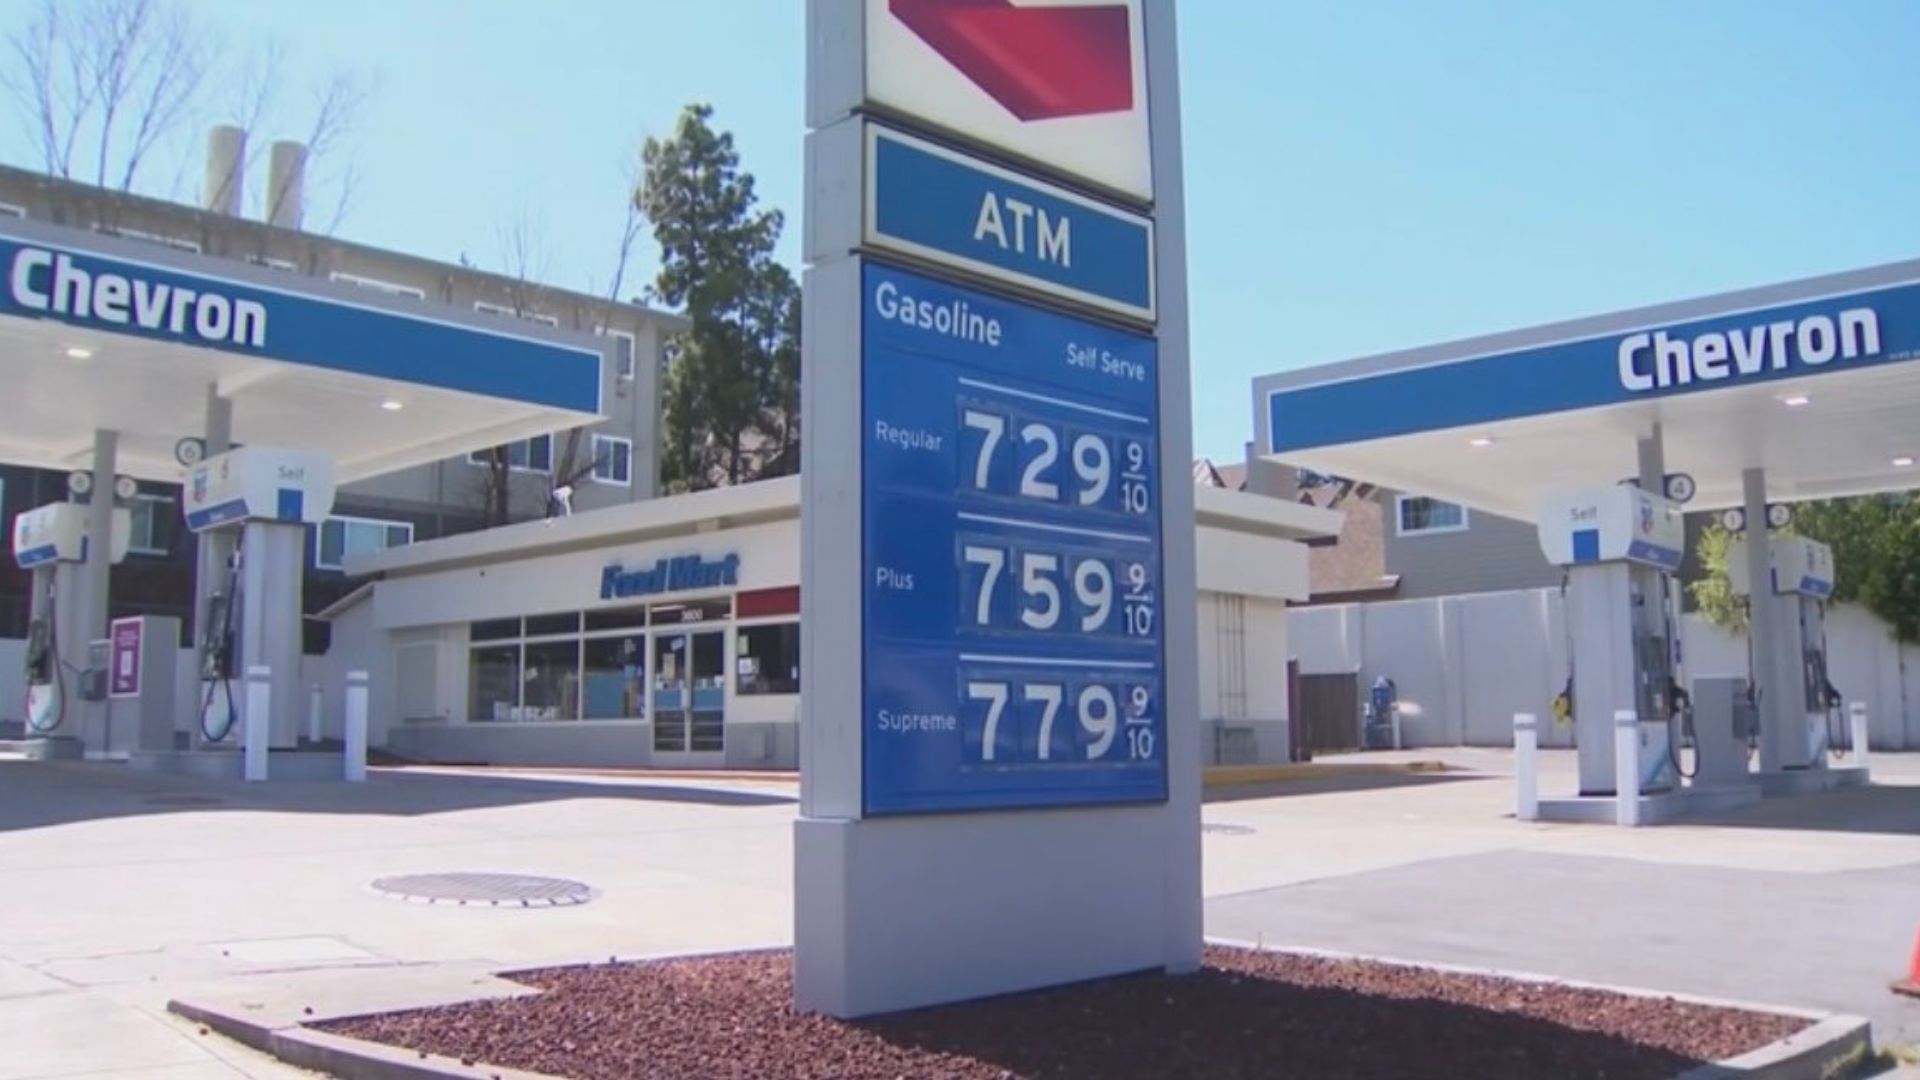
(124, 889)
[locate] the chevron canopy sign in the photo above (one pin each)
(1058, 82)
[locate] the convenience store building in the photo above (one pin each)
(666, 633)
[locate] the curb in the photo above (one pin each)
(293, 1042)
(1230, 775)
(1833, 1046)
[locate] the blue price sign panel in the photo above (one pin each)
(1011, 554)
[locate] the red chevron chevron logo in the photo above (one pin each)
(1039, 63)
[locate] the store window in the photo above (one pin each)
(1421, 516)
(151, 520)
(344, 536)
(494, 630)
(614, 677)
(493, 688)
(549, 625)
(612, 460)
(626, 618)
(767, 659)
(551, 681)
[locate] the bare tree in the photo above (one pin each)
(113, 77)
(102, 83)
(569, 470)
(336, 108)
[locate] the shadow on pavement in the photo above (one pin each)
(1332, 783)
(39, 794)
(1887, 809)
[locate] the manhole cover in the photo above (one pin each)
(186, 800)
(1221, 829)
(485, 890)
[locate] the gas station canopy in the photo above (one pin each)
(1812, 380)
(103, 333)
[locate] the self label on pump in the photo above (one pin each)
(259, 483)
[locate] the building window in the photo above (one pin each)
(388, 287)
(526, 455)
(485, 308)
(10, 210)
(174, 242)
(767, 659)
(623, 353)
(152, 530)
(612, 460)
(344, 536)
(1418, 515)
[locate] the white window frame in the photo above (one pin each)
(598, 441)
(486, 307)
(345, 520)
(156, 501)
(7, 209)
(174, 242)
(1400, 521)
(391, 288)
(479, 457)
(629, 365)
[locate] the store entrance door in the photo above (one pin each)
(689, 697)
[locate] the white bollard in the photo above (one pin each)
(257, 721)
(355, 727)
(1857, 728)
(313, 713)
(1526, 766)
(1626, 767)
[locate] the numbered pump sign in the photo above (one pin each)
(1011, 554)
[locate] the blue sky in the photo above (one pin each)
(1362, 176)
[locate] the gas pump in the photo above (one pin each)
(51, 543)
(1620, 546)
(270, 497)
(1802, 574)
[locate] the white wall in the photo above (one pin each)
(769, 558)
(1465, 664)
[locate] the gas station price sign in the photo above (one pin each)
(1011, 554)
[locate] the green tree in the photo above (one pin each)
(1713, 593)
(1876, 555)
(731, 399)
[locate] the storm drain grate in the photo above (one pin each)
(1218, 828)
(485, 890)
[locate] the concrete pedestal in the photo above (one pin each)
(289, 765)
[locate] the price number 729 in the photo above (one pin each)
(1090, 455)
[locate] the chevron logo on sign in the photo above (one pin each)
(1040, 63)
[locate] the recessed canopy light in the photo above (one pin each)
(1904, 461)
(1794, 401)
(1481, 441)
(392, 406)
(79, 352)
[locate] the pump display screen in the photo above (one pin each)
(1011, 524)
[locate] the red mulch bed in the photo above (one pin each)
(1245, 1014)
